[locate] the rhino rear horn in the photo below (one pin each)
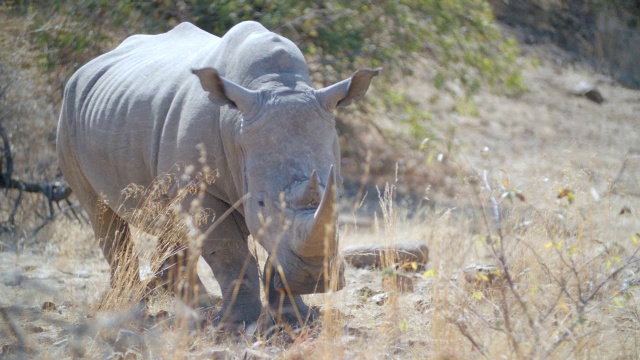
(226, 92)
(347, 91)
(312, 192)
(323, 225)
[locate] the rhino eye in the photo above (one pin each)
(261, 203)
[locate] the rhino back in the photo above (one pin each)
(133, 113)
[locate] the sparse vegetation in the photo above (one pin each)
(533, 246)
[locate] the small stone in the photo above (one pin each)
(595, 96)
(423, 305)
(353, 331)
(380, 299)
(34, 329)
(162, 314)
(49, 306)
(365, 292)
(483, 276)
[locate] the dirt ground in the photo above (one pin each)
(543, 140)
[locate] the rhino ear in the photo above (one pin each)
(225, 92)
(347, 91)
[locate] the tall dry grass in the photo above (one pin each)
(557, 280)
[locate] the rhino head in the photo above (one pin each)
(290, 164)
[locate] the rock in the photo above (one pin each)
(362, 256)
(589, 91)
(423, 305)
(484, 276)
(366, 292)
(380, 299)
(595, 96)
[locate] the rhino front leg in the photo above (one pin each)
(235, 269)
(285, 307)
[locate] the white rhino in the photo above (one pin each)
(132, 114)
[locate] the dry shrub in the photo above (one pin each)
(562, 278)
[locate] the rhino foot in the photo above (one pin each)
(296, 316)
(289, 309)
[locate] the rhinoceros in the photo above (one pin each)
(247, 101)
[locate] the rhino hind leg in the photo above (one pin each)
(114, 238)
(286, 308)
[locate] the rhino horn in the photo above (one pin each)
(323, 225)
(312, 193)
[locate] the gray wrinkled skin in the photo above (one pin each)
(132, 114)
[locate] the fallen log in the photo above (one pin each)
(379, 256)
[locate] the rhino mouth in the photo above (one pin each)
(307, 276)
(306, 262)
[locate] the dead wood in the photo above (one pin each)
(54, 192)
(378, 256)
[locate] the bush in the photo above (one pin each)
(336, 36)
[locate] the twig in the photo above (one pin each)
(583, 304)
(49, 219)
(463, 330)
(12, 216)
(495, 208)
(7, 155)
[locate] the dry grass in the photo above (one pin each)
(562, 275)
(562, 287)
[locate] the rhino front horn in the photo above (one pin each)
(323, 225)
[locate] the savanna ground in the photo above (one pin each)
(540, 191)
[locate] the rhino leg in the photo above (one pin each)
(114, 238)
(234, 267)
(285, 307)
(172, 274)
